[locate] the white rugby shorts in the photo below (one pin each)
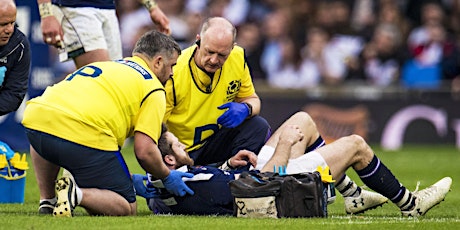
(87, 28)
(305, 163)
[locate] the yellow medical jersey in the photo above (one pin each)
(101, 104)
(192, 98)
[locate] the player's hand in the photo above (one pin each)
(141, 189)
(235, 114)
(6, 150)
(175, 185)
(160, 20)
(242, 158)
(52, 31)
(291, 134)
(2, 74)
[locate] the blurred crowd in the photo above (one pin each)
(306, 43)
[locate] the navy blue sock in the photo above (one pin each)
(318, 143)
(380, 179)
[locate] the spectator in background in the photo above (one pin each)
(454, 18)
(313, 56)
(300, 18)
(390, 13)
(249, 37)
(429, 44)
(341, 52)
(132, 17)
(233, 10)
(275, 29)
(302, 66)
(363, 16)
(322, 16)
(14, 60)
(383, 56)
(289, 73)
(88, 32)
(260, 8)
(184, 32)
(236, 11)
(133, 22)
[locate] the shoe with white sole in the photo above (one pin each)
(66, 197)
(365, 201)
(429, 197)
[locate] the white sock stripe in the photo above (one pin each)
(373, 171)
(399, 193)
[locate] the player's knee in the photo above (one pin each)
(361, 146)
(357, 140)
(306, 120)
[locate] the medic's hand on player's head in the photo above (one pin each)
(235, 114)
(141, 189)
(175, 185)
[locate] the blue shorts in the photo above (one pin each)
(91, 168)
(227, 142)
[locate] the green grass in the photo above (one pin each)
(425, 164)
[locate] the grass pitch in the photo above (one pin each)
(412, 164)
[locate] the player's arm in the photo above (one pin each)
(157, 16)
(146, 135)
(51, 28)
(241, 159)
(289, 136)
(149, 156)
(147, 130)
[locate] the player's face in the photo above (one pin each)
(182, 157)
(212, 53)
(166, 71)
(7, 22)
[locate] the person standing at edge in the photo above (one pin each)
(88, 31)
(212, 105)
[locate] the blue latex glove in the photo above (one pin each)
(141, 189)
(235, 114)
(175, 185)
(2, 74)
(5, 149)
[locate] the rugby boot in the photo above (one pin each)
(365, 201)
(429, 197)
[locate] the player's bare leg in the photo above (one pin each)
(45, 174)
(306, 125)
(353, 151)
(106, 202)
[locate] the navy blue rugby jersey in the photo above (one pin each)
(212, 194)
